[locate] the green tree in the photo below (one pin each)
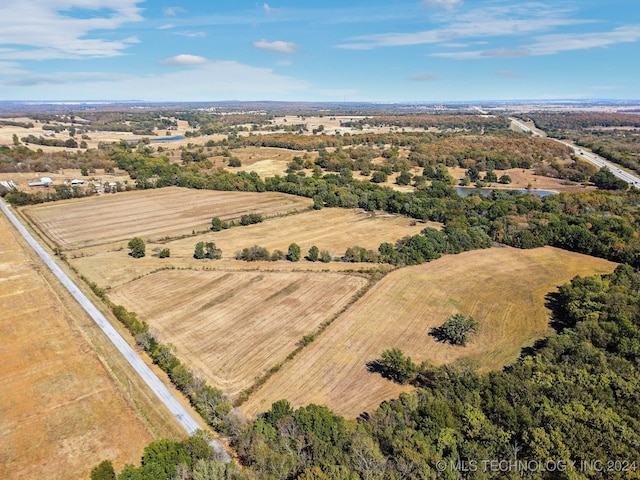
(325, 256)
(198, 252)
(456, 330)
(137, 247)
(103, 471)
(294, 253)
(396, 366)
(164, 253)
(379, 177)
(217, 224)
(211, 251)
(314, 254)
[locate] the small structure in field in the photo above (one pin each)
(44, 181)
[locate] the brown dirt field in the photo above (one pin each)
(231, 327)
(60, 411)
(503, 288)
(150, 214)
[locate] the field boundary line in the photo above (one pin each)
(306, 340)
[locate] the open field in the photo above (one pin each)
(331, 229)
(503, 288)
(61, 412)
(150, 214)
(231, 327)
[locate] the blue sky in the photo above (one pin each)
(358, 50)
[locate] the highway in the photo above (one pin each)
(588, 156)
(165, 395)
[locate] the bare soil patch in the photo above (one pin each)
(503, 288)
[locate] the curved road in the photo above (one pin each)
(162, 392)
(590, 157)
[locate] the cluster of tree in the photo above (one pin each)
(606, 180)
(474, 123)
(217, 224)
(191, 459)
(621, 147)
(257, 253)
(567, 124)
(51, 142)
(251, 218)
(208, 250)
(315, 255)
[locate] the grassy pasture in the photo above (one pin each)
(151, 214)
(230, 327)
(503, 288)
(61, 412)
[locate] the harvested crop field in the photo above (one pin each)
(61, 413)
(331, 229)
(231, 327)
(503, 288)
(150, 214)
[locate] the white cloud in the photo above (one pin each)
(184, 60)
(173, 11)
(448, 4)
(11, 68)
(35, 29)
(512, 20)
(267, 8)
(191, 34)
(550, 44)
(277, 46)
(166, 26)
(553, 44)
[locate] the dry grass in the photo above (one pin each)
(151, 214)
(503, 288)
(231, 327)
(331, 229)
(60, 411)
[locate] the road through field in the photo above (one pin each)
(183, 416)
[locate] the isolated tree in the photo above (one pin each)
(137, 247)
(164, 253)
(456, 330)
(314, 254)
(294, 252)
(396, 366)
